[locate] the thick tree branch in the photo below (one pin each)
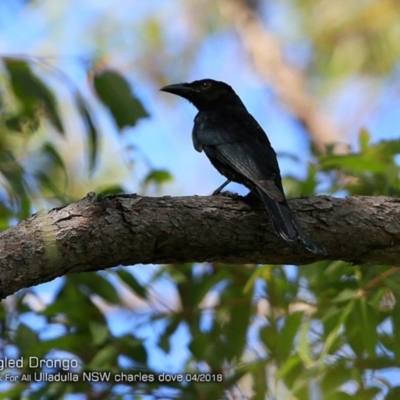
(96, 233)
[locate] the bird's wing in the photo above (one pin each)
(236, 139)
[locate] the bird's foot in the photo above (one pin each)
(219, 189)
(228, 194)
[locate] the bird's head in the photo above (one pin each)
(205, 94)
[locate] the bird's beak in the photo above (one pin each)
(180, 89)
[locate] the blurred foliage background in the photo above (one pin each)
(80, 112)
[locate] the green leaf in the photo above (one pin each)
(301, 386)
(376, 363)
(133, 348)
(304, 346)
(368, 393)
(131, 281)
(70, 301)
(165, 338)
(26, 340)
(238, 324)
(335, 334)
(48, 176)
(308, 186)
(74, 343)
(269, 336)
(393, 393)
(336, 375)
(105, 359)
(287, 334)
(32, 92)
(338, 396)
(5, 216)
(365, 317)
(345, 296)
(111, 190)
(158, 177)
(164, 343)
(21, 123)
(14, 175)
(48, 184)
(55, 157)
(199, 344)
(356, 163)
(260, 384)
(396, 328)
(15, 392)
(115, 93)
(90, 129)
(100, 333)
(100, 286)
(364, 140)
(292, 364)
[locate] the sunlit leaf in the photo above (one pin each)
(111, 190)
(290, 366)
(100, 333)
(304, 349)
(105, 359)
(158, 177)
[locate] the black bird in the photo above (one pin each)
(240, 150)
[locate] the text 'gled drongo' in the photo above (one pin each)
(240, 150)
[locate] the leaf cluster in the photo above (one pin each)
(33, 168)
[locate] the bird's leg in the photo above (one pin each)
(218, 190)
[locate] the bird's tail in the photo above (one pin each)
(286, 224)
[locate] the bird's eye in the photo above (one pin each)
(205, 84)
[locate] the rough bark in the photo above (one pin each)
(96, 233)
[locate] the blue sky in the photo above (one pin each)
(70, 30)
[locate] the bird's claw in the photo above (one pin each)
(219, 189)
(228, 194)
(216, 192)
